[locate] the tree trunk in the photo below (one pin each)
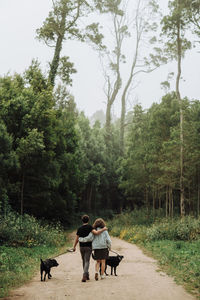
(108, 122)
(190, 200)
(89, 199)
(55, 62)
(147, 200)
(113, 91)
(122, 123)
(172, 201)
(110, 102)
(154, 201)
(198, 196)
(179, 54)
(160, 203)
(22, 194)
(124, 95)
(166, 202)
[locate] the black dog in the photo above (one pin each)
(113, 262)
(46, 266)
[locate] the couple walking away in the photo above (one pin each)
(95, 238)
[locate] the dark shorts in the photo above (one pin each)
(100, 254)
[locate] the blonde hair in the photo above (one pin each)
(99, 223)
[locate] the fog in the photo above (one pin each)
(18, 23)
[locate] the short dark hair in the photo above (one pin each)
(85, 219)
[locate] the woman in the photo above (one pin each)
(100, 244)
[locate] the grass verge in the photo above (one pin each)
(19, 264)
(174, 243)
(179, 259)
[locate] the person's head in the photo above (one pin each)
(85, 219)
(99, 223)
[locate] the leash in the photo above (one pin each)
(66, 251)
(71, 250)
(114, 252)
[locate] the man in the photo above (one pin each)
(86, 247)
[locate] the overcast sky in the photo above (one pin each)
(19, 20)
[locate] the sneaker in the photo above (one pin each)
(84, 279)
(96, 276)
(103, 276)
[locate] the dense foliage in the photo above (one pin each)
(55, 165)
(150, 171)
(52, 162)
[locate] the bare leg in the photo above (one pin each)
(97, 266)
(103, 263)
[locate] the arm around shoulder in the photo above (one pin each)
(97, 232)
(88, 238)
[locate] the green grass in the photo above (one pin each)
(175, 243)
(24, 240)
(180, 259)
(18, 265)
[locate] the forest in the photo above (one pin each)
(55, 164)
(140, 170)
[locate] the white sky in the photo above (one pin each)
(19, 20)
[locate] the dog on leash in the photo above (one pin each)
(113, 262)
(45, 266)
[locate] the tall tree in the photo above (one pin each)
(174, 27)
(113, 81)
(61, 24)
(140, 30)
(132, 29)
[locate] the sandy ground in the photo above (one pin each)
(138, 279)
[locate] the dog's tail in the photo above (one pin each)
(41, 261)
(93, 256)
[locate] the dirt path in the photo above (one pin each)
(137, 279)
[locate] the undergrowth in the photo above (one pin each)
(27, 231)
(175, 243)
(24, 240)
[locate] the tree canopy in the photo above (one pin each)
(56, 163)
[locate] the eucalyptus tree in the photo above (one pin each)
(114, 56)
(192, 147)
(145, 55)
(134, 48)
(174, 28)
(63, 24)
(192, 8)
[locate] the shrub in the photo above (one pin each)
(126, 227)
(185, 229)
(136, 217)
(28, 232)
